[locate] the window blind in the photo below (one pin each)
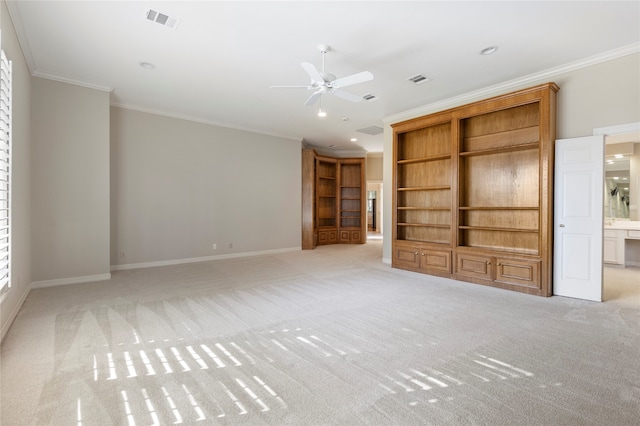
(5, 171)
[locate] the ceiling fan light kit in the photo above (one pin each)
(323, 82)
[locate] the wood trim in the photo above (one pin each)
(309, 238)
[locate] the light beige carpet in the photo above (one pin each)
(330, 336)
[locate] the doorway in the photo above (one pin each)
(621, 254)
(374, 210)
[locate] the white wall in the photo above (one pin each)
(601, 95)
(70, 183)
(180, 186)
(21, 170)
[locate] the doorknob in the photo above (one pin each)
(562, 225)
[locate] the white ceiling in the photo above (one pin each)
(218, 64)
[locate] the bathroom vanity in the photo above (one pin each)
(621, 246)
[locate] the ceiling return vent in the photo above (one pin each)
(418, 79)
(372, 130)
(162, 19)
(369, 97)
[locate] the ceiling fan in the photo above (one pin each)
(323, 82)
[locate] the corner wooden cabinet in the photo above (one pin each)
(473, 191)
(333, 200)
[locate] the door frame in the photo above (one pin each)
(609, 131)
(618, 130)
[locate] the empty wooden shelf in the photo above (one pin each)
(333, 200)
(473, 191)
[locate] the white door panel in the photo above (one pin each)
(578, 216)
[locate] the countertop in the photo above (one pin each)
(623, 224)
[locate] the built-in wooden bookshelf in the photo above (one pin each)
(337, 208)
(352, 201)
(473, 191)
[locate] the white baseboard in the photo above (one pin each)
(14, 313)
(71, 280)
(199, 259)
(386, 260)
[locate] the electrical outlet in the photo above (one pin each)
(215, 246)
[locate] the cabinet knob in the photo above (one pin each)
(423, 254)
(416, 253)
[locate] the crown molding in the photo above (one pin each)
(514, 84)
(169, 114)
(21, 34)
(72, 81)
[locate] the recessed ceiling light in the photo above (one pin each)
(354, 139)
(619, 156)
(147, 65)
(489, 50)
(610, 162)
(322, 113)
(616, 178)
(626, 189)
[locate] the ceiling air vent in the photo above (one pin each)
(369, 97)
(418, 79)
(162, 19)
(373, 130)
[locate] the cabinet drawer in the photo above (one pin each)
(473, 266)
(518, 271)
(408, 257)
(632, 233)
(610, 233)
(435, 260)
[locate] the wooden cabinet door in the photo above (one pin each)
(435, 260)
(473, 266)
(327, 237)
(406, 257)
(518, 271)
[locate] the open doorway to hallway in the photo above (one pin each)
(374, 211)
(374, 196)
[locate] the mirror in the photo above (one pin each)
(622, 161)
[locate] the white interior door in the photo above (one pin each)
(578, 215)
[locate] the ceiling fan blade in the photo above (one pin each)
(313, 72)
(361, 77)
(291, 87)
(313, 98)
(346, 95)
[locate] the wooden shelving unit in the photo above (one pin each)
(473, 191)
(352, 201)
(423, 171)
(338, 205)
